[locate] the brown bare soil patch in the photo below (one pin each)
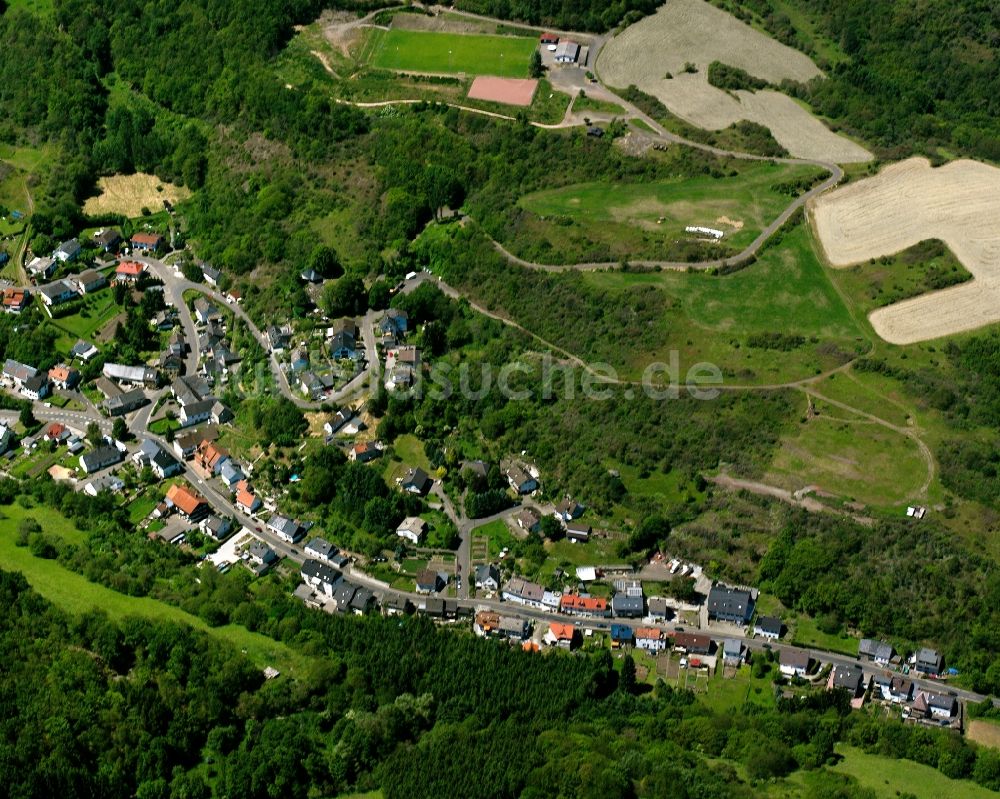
(510, 91)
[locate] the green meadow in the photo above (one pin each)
(644, 221)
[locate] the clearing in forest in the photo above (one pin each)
(451, 53)
(130, 194)
(686, 35)
(909, 202)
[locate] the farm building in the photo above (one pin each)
(567, 52)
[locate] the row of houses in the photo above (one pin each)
(326, 586)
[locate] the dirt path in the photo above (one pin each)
(799, 498)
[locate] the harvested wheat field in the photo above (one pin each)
(984, 732)
(129, 194)
(692, 31)
(910, 202)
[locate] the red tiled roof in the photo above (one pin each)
(184, 499)
(591, 603)
(563, 632)
(147, 238)
(130, 268)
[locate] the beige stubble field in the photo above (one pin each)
(693, 31)
(909, 202)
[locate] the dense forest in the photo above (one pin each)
(581, 15)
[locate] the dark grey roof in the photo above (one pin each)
(622, 604)
(769, 624)
(322, 547)
(847, 676)
(726, 601)
(314, 569)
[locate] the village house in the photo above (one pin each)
(100, 458)
(321, 549)
(429, 582)
(129, 272)
(210, 458)
(260, 557)
(529, 520)
(734, 605)
(193, 413)
(880, 652)
(187, 502)
(848, 677)
(394, 323)
(568, 509)
(416, 481)
(204, 311)
(658, 609)
(67, 251)
(522, 592)
(412, 528)
(107, 239)
(278, 338)
(216, 527)
(125, 402)
(932, 704)
(564, 636)
(83, 350)
(212, 275)
(185, 447)
(928, 661)
(520, 480)
(343, 341)
(364, 451)
(138, 376)
(794, 663)
(57, 293)
(621, 635)
(893, 688)
(768, 627)
(109, 483)
(231, 473)
(58, 433)
(42, 268)
(487, 577)
(89, 281)
(693, 643)
(624, 606)
(64, 377)
(288, 530)
(586, 606)
(147, 242)
(650, 639)
(246, 500)
(732, 652)
(578, 532)
(36, 387)
(321, 577)
(162, 463)
(16, 373)
(16, 300)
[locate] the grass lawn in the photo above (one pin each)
(499, 536)
(140, 507)
(710, 318)
(161, 426)
(597, 551)
(730, 693)
(806, 633)
(888, 777)
(584, 104)
(645, 220)
(76, 594)
(410, 450)
(424, 51)
(98, 309)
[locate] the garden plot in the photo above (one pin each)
(693, 32)
(910, 202)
